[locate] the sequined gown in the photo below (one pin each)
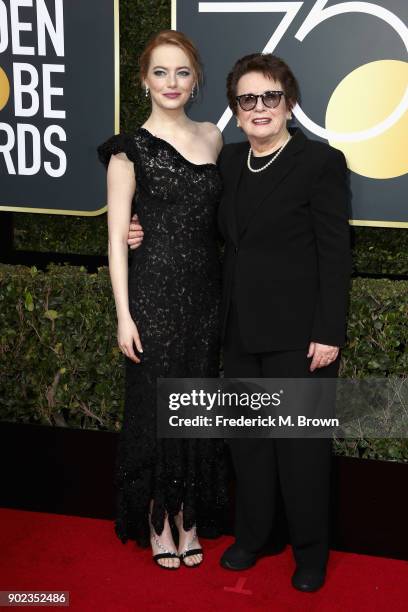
(174, 291)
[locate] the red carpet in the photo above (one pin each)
(53, 552)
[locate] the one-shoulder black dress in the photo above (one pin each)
(174, 293)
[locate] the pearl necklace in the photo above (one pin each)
(278, 152)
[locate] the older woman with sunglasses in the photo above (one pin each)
(284, 218)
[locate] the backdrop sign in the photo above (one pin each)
(351, 62)
(58, 100)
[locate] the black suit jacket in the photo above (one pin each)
(291, 260)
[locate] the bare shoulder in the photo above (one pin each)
(212, 133)
(209, 129)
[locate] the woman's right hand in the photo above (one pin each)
(127, 335)
(135, 233)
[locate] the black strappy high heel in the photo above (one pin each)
(165, 554)
(188, 551)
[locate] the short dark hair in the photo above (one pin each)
(271, 66)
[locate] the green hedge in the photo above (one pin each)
(61, 365)
(377, 250)
(380, 250)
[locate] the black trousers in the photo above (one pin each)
(290, 475)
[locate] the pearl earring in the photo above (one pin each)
(192, 92)
(147, 92)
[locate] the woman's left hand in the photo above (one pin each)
(135, 233)
(323, 355)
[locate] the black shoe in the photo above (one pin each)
(236, 558)
(308, 579)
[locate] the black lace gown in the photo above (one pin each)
(174, 293)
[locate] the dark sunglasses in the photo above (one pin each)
(270, 99)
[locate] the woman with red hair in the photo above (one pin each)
(167, 304)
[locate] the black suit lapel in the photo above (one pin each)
(285, 163)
